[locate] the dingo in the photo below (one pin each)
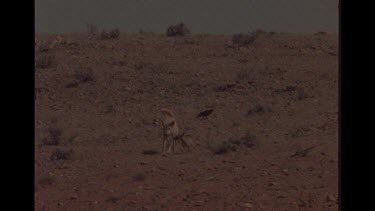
(171, 132)
(170, 129)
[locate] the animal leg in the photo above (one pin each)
(163, 150)
(174, 141)
(169, 144)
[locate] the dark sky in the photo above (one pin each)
(201, 16)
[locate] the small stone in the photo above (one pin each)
(330, 198)
(210, 178)
(272, 184)
(247, 205)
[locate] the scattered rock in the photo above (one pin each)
(246, 205)
(210, 178)
(272, 184)
(286, 171)
(331, 198)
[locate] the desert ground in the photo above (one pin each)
(270, 143)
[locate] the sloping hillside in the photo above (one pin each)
(97, 104)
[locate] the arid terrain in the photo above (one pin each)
(270, 143)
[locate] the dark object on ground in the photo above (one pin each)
(59, 154)
(150, 152)
(205, 113)
(177, 30)
(303, 153)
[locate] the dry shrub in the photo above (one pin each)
(248, 141)
(243, 39)
(84, 77)
(113, 199)
(320, 33)
(179, 29)
(46, 180)
(296, 93)
(92, 29)
(223, 148)
(113, 34)
(150, 152)
(81, 78)
(259, 109)
(60, 154)
(141, 65)
(55, 136)
(45, 61)
(232, 144)
(139, 177)
(244, 75)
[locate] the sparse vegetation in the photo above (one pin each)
(55, 136)
(113, 199)
(112, 34)
(260, 31)
(290, 88)
(121, 86)
(150, 152)
(141, 65)
(231, 145)
(297, 93)
(80, 78)
(60, 154)
(42, 46)
(84, 77)
(92, 29)
(45, 61)
(139, 177)
(320, 33)
(149, 67)
(179, 29)
(72, 138)
(109, 109)
(46, 180)
(300, 94)
(247, 140)
(224, 88)
(259, 109)
(244, 75)
(223, 148)
(302, 153)
(243, 39)
(299, 132)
